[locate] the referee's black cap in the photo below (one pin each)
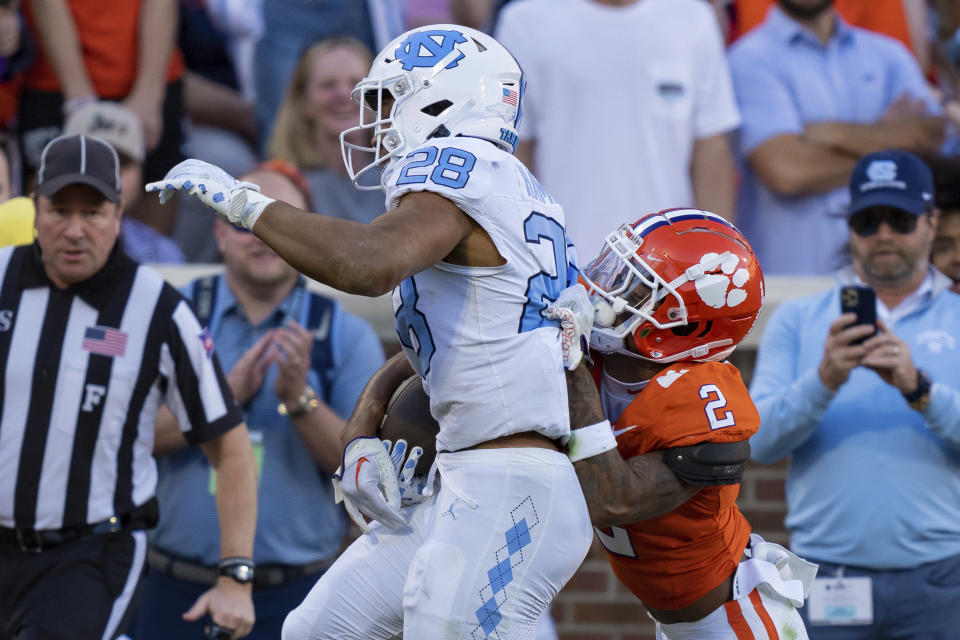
(79, 159)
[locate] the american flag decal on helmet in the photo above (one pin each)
(511, 97)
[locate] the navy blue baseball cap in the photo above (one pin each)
(897, 179)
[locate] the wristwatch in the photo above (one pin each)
(919, 398)
(306, 403)
(238, 569)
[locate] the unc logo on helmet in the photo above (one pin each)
(429, 48)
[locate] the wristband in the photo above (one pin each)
(587, 442)
(238, 568)
(73, 105)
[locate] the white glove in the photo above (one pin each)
(413, 488)
(240, 203)
(366, 483)
(575, 312)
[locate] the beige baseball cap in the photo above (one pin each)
(111, 122)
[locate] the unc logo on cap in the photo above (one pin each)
(427, 48)
(882, 171)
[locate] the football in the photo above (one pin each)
(408, 417)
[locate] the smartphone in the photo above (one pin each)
(863, 302)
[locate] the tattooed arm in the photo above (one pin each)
(620, 491)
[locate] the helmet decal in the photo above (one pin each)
(681, 284)
(435, 81)
(429, 48)
(714, 288)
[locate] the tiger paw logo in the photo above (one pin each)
(722, 285)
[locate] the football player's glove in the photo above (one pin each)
(367, 484)
(413, 488)
(575, 312)
(239, 203)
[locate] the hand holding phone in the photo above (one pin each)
(863, 302)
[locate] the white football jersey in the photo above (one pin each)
(490, 361)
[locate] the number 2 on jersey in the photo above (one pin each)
(717, 420)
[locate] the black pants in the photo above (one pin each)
(80, 590)
(40, 120)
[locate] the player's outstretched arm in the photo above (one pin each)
(367, 259)
(619, 491)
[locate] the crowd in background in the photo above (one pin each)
(709, 119)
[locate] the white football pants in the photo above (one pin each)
(481, 559)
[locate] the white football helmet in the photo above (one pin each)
(681, 284)
(444, 80)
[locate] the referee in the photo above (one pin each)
(90, 344)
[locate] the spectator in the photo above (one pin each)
(93, 343)
(803, 131)
(946, 243)
(316, 109)
(872, 430)
(946, 246)
(17, 50)
(285, 347)
(120, 50)
(635, 120)
(903, 20)
(16, 214)
(218, 100)
(120, 127)
(290, 26)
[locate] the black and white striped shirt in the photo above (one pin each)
(82, 374)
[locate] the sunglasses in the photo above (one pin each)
(865, 223)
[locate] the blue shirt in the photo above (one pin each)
(297, 520)
(784, 77)
(872, 483)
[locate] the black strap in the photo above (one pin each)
(321, 315)
(709, 463)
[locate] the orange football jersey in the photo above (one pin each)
(671, 561)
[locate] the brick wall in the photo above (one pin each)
(595, 606)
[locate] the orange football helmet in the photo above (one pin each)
(684, 283)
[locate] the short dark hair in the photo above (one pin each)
(946, 180)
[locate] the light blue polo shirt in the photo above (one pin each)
(297, 520)
(872, 483)
(784, 77)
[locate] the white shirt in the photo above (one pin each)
(615, 98)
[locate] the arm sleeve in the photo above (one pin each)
(943, 413)
(359, 356)
(790, 405)
(716, 109)
(766, 107)
(197, 392)
(908, 78)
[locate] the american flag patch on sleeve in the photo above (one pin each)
(104, 341)
(511, 97)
